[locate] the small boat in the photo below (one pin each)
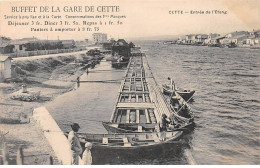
(118, 63)
(181, 107)
(142, 127)
(129, 140)
(185, 94)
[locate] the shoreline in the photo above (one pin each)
(17, 115)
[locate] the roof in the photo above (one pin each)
(219, 37)
(67, 41)
(239, 36)
(202, 35)
(236, 33)
(3, 58)
(120, 42)
(251, 37)
(4, 44)
(28, 39)
(18, 42)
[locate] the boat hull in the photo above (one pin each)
(110, 127)
(186, 95)
(134, 140)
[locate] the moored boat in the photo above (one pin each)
(185, 94)
(181, 107)
(130, 140)
(144, 127)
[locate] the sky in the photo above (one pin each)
(144, 18)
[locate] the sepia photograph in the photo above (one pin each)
(123, 82)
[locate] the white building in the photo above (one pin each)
(99, 37)
(5, 67)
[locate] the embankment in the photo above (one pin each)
(51, 76)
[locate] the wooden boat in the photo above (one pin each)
(140, 103)
(129, 140)
(120, 62)
(185, 94)
(181, 107)
(143, 127)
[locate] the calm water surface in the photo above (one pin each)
(226, 104)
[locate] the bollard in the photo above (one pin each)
(24, 89)
(20, 156)
(51, 160)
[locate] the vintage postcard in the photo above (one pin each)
(144, 82)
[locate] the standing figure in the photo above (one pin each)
(75, 147)
(163, 127)
(173, 122)
(172, 84)
(164, 122)
(86, 157)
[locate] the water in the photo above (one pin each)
(226, 104)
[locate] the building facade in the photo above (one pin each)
(99, 37)
(5, 67)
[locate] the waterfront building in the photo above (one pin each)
(236, 33)
(257, 41)
(5, 67)
(250, 41)
(68, 44)
(200, 38)
(218, 40)
(211, 38)
(99, 37)
(5, 46)
(121, 47)
(191, 38)
(238, 40)
(108, 45)
(181, 39)
(255, 33)
(19, 46)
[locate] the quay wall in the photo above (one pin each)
(54, 135)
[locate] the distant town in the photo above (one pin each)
(34, 46)
(230, 40)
